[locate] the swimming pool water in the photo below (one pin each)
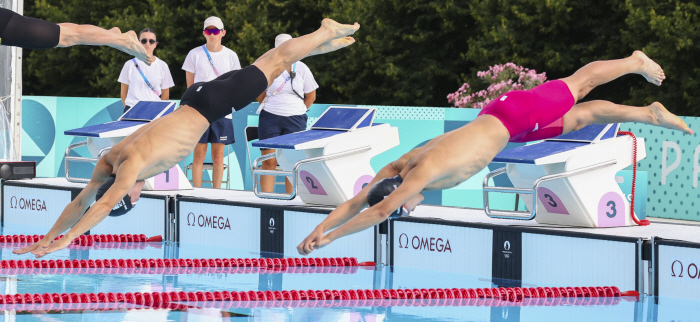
(213, 279)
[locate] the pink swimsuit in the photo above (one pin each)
(535, 114)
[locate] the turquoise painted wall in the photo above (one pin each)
(46, 118)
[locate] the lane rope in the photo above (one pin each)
(519, 296)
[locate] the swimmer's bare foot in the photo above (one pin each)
(133, 47)
(332, 45)
(650, 69)
(339, 30)
(666, 119)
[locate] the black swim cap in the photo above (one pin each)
(122, 207)
(381, 190)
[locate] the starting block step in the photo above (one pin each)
(570, 179)
(331, 159)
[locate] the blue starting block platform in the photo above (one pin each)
(101, 138)
(571, 178)
(331, 159)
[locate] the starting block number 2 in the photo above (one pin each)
(551, 202)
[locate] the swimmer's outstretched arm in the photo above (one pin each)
(415, 181)
(125, 180)
(74, 210)
(344, 212)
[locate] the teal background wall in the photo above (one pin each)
(46, 118)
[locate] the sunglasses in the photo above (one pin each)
(151, 41)
(212, 31)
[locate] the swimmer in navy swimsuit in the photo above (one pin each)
(31, 33)
(160, 145)
(546, 111)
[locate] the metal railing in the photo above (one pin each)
(257, 171)
(524, 215)
(69, 158)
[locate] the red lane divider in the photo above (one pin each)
(263, 263)
(84, 240)
(515, 296)
(179, 270)
(158, 303)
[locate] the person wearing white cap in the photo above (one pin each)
(205, 63)
(283, 109)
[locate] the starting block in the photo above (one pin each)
(101, 138)
(332, 159)
(571, 178)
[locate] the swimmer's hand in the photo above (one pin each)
(324, 242)
(307, 245)
(34, 248)
(56, 245)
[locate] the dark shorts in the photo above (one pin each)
(235, 89)
(271, 125)
(221, 131)
(27, 32)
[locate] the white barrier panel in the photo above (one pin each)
(677, 268)
(573, 261)
(148, 217)
(298, 225)
(462, 256)
(218, 225)
(33, 206)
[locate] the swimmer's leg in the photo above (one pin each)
(128, 42)
(601, 72)
(277, 60)
(604, 112)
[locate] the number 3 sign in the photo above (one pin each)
(611, 210)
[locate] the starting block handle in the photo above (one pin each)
(524, 215)
(69, 158)
(257, 171)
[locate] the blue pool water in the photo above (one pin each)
(349, 278)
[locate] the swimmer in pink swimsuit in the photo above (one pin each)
(546, 111)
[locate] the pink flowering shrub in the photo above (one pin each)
(501, 79)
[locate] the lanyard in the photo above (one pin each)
(145, 79)
(216, 72)
(294, 67)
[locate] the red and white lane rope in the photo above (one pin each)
(515, 296)
(180, 270)
(262, 263)
(85, 240)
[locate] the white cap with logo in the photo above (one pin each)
(281, 38)
(214, 21)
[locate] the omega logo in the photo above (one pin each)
(27, 204)
(678, 268)
(214, 222)
(431, 244)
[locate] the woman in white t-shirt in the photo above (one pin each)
(205, 63)
(141, 82)
(284, 110)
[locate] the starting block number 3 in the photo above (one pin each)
(611, 210)
(551, 202)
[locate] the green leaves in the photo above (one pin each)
(408, 52)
